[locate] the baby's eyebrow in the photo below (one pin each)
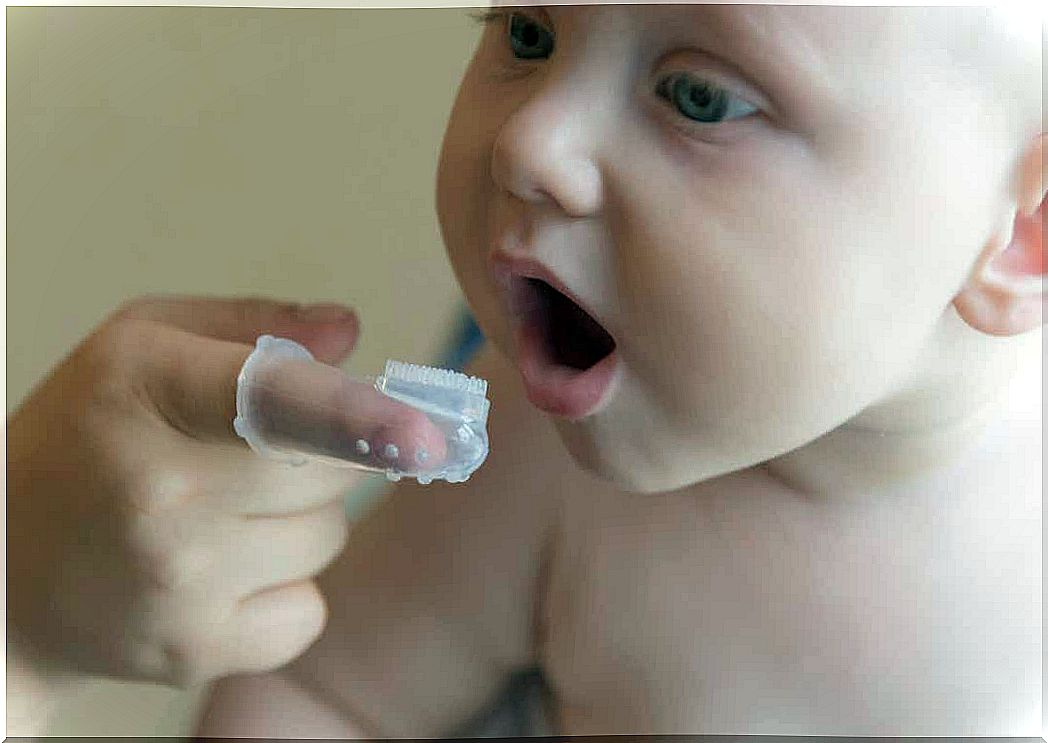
(762, 33)
(775, 45)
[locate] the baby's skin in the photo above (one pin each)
(793, 486)
(738, 605)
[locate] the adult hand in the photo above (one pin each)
(146, 540)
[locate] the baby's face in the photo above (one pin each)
(767, 210)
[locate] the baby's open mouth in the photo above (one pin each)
(567, 360)
(572, 338)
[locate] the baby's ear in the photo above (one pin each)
(1005, 293)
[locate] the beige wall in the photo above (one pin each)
(281, 152)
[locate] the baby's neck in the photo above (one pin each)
(917, 438)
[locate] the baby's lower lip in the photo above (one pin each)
(557, 389)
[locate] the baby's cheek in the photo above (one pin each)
(666, 308)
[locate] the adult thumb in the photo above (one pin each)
(328, 330)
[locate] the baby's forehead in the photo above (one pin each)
(843, 49)
(831, 32)
(745, 19)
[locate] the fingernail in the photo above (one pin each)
(323, 312)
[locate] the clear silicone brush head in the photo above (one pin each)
(412, 421)
(455, 403)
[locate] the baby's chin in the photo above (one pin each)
(609, 453)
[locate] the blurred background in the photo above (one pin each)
(289, 153)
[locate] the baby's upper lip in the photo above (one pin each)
(507, 265)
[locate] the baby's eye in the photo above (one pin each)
(702, 101)
(528, 38)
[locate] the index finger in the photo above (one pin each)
(299, 406)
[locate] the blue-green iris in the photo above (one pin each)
(528, 39)
(701, 101)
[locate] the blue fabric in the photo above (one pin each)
(465, 342)
(521, 709)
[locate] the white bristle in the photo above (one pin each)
(428, 375)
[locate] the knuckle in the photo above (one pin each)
(305, 626)
(293, 628)
(144, 542)
(132, 307)
(195, 644)
(188, 662)
(308, 609)
(129, 362)
(110, 380)
(171, 568)
(147, 660)
(112, 349)
(175, 641)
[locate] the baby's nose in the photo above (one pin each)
(546, 152)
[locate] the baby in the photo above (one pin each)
(763, 287)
